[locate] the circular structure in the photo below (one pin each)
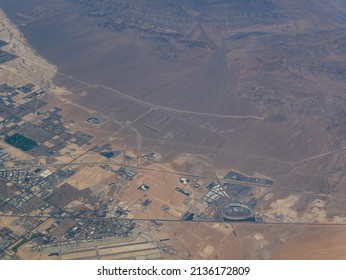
(236, 211)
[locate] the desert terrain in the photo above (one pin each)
(165, 130)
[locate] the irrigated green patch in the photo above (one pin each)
(21, 142)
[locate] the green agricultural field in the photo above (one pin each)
(21, 142)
